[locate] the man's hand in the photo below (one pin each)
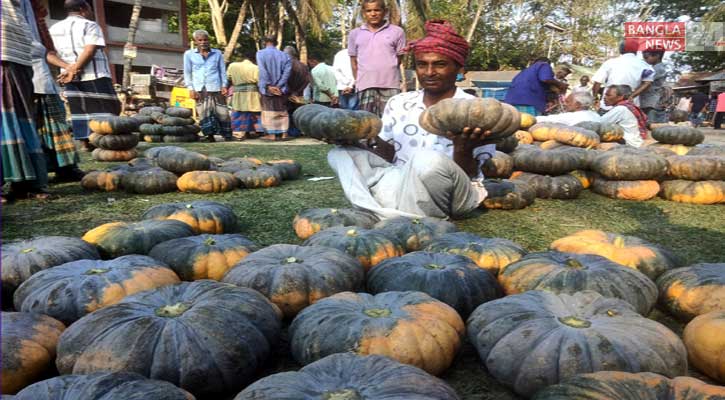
(335, 100)
(194, 94)
(224, 91)
(274, 90)
(469, 138)
(347, 90)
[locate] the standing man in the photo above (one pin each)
(87, 78)
(299, 80)
(345, 81)
(627, 69)
(583, 85)
(376, 50)
(529, 88)
(626, 114)
(324, 84)
(275, 68)
(206, 78)
(243, 78)
(698, 108)
(650, 100)
(719, 111)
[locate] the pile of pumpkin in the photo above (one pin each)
(169, 168)
(180, 305)
(170, 125)
(114, 138)
(559, 161)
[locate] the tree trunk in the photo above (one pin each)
(132, 27)
(280, 24)
(236, 31)
(343, 24)
(476, 18)
(217, 20)
(256, 30)
(299, 31)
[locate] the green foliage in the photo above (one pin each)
(199, 17)
(701, 61)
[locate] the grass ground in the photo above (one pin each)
(697, 233)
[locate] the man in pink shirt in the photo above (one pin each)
(719, 111)
(375, 50)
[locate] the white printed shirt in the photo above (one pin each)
(71, 35)
(627, 69)
(402, 130)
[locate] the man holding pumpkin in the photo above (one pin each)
(406, 171)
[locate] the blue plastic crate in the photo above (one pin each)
(496, 93)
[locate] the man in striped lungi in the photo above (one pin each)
(243, 77)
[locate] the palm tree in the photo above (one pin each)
(229, 49)
(132, 27)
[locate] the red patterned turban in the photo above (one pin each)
(441, 38)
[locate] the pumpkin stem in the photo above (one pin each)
(189, 206)
(575, 322)
(351, 232)
(572, 263)
(612, 313)
(28, 250)
(434, 266)
(210, 241)
(344, 394)
(292, 260)
(377, 312)
(333, 211)
(96, 271)
(172, 310)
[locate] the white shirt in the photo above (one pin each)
(622, 116)
(71, 35)
(627, 69)
(581, 89)
(343, 70)
(570, 118)
(401, 128)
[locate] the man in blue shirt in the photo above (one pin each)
(206, 78)
(528, 89)
(275, 67)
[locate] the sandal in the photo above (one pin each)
(269, 138)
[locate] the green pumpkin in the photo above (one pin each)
(453, 115)
(117, 239)
(491, 254)
(203, 216)
(312, 220)
(113, 125)
(501, 165)
(415, 233)
(288, 169)
(206, 337)
(149, 181)
(569, 273)
(629, 165)
(258, 177)
(121, 141)
(508, 194)
(143, 119)
(368, 246)
(148, 110)
(182, 161)
(322, 122)
(453, 279)
(184, 138)
(707, 149)
(99, 154)
(546, 162)
(694, 290)
(702, 192)
(150, 129)
(696, 168)
(564, 187)
(678, 134)
(180, 112)
(69, 291)
(535, 339)
(176, 121)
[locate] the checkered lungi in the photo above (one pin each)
(275, 118)
(89, 100)
(374, 99)
(214, 114)
(246, 121)
(55, 136)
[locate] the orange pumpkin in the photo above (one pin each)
(114, 155)
(312, 220)
(524, 137)
(207, 182)
(703, 192)
(527, 120)
(679, 149)
(705, 343)
(585, 177)
(491, 254)
(626, 190)
(369, 246)
(691, 291)
(697, 168)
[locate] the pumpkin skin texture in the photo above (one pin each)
(28, 348)
(312, 220)
(623, 385)
(150, 181)
(571, 135)
(203, 216)
(113, 125)
(501, 165)
(121, 141)
(508, 194)
(180, 112)
(368, 246)
(382, 324)
(586, 178)
(527, 120)
(206, 182)
(629, 165)
(143, 119)
(100, 154)
(70, 291)
(258, 177)
(350, 376)
(564, 187)
(206, 337)
(707, 150)
(452, 115)
(703, 192)
(148, 110)
(453, 279)
(20, 260)
(535, 339)
(696, 168)
(507, 145)
(678, 149)
(116, 239)
(106, 181)
(569, 273)
(236, 165)
(607, 132)
(103, 386)
(203, 256)
(674, 134)
(288, 169)
(182, 161)
(151, 129)
(491, 254)
(415, 233)
(322, 122)
(626, 190)
(691, 291)
(546, 162)
(630, 251)
(524, 137)
(706, 344)
(293, 277)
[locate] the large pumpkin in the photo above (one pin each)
(491, 254)
(382, 324)
(527, 120)
(312, 220)
(452, 115)
(707, 149)
(70, 291)
(501, 165)
(630, 251)
(322, 122)
(293, 277)
(288, 169)
(629, 165)
(563, 187)
(626, 190)
(149, 181)
(524, 137)
(571, 135)
(705, 343)
(569, 273)
(258, 177)
(122, 141)
(623, 385)
(20, 260)
(586, 178)
(453, 279)
(535, 339)
(203, 216)
(150, 129)
(697, 168)
(415, 233)
(116, 239)
(206, 337)
(203, 256)
(350, 376)
(678, 134)
(103, 386)
(508, 194)
(113, 155)
(369, 246)
(678, 149)
(180, 161)
(207, 182)
(236, 165)
(180, 112)
(691, 291)
(148, 110)
(607, 132)
(507, 144)
(703, 192)
(113, 125)
(111, 179)
(28, 348)
(546, 162)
